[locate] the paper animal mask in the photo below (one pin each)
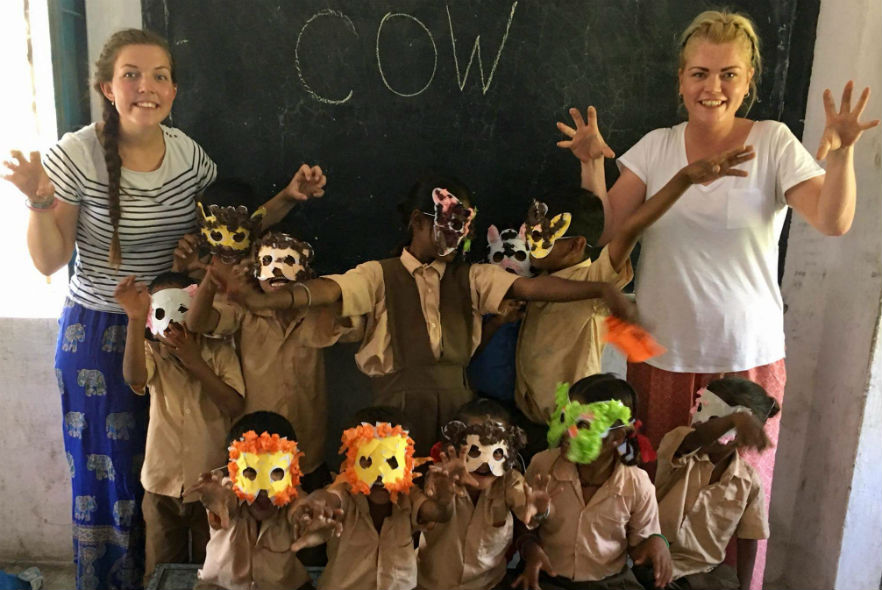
(267, 463)
(377, 454)
(709, 405)
(508, 249)
(544, 232)
(227, 231)
(452, 221)
(167, 306)
(281, 259)
(586, 424)
(487, 442)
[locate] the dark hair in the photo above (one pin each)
(604, 387)
(482, 407)
(737, 391)
(587, 213)
(261, 422)
(419, 196)
(176, 280)
(495, 426)
(110, 133)
(374, 414)
(229, 192)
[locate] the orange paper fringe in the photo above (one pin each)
(352, 440)
(266, 443)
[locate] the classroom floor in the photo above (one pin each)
(56, 575)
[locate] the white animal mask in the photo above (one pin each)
(709, 405)
(494, 455)
(508, 249)
(167, 306)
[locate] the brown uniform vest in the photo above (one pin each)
(428, 390)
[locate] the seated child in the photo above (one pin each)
(565, 342)
(492, 368)
(707, 493)
(250, 512)
(377, 506)
(282, 359)
(605, 510)
(195, 389)
(423, 310)
(469, 551)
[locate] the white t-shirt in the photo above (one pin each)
(158, 207)
(707, 278)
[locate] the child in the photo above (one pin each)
(282, 361)
(378, 508)
(249, 513)
(469, 551)
(195, 388)
(423, 310)
(707, 493)
(606, 509)
(564, 342)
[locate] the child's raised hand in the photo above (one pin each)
(538, 500)
(186, 257)
(233, 282)
(585, 141)
(133, 297)
(714, 167)
(182, 344)
(308, 181)
(314, 518)
(511, 310)
(535, 560)
(620, 305)
(449, 476)
(749, 431)
(29, 176)
(214, 495)
(843, 129)
(655, 551)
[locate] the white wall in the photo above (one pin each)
(103, 18)
(826, 515)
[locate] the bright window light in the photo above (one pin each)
(27, 121)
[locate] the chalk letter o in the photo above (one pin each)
(380, 65)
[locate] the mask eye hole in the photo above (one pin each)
(365, 462)
(182, 309)
(699, 407)
(498, 256)
(455, 224)
(238, 236)
(393, 462)
(498, 454)
(249, 473)
(520, 255)
(290, 261)
(266, 260)
(583, 425)
(217, 236)
(563, 417)
(159, 313)
(277, 474)
(536, 235)
(474, 452)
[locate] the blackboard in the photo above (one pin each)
(378, 91)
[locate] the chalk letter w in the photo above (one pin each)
(461, 78)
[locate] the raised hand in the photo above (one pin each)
(585, 141)
(133, 297)
(538, 499)
(511, 310)
(216, 496)
(182, 345)
(535, 560)
(714, 167)
(187, 255)
(315, 517)
(234, 282)
(308, 181)
(843, 128)
(749, 431)
(28, 175)
(619, 304)
(449, 476)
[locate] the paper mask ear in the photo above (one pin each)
(522, 232)
(562, 394)
(439, 196)
(561, 222)
(258, 216)
(493, 234)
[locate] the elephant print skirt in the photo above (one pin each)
(105, 427)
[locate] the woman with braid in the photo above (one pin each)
(123, 192)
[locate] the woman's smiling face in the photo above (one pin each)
(142, 88)
(714, 80)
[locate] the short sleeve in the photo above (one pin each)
(601, 270)
(754, 524)
(227, 367)
(360, 287)
(68, 165)
(489, 284)
(150, 366)
(644, 510)
(206, 166)
(417, 499)
(668, 461)
(324, 326)
(793, 163)
(515, 494)
(638, 159)
(229, 319)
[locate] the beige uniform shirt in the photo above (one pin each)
(699, 518)
(252, 554)
(364, 293)
(187, 432)
(589, 542)
(284, 367)
(563, 341)
(363, 559)
(469, 550)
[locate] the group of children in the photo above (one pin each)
(438, 488)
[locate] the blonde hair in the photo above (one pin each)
(726, 27)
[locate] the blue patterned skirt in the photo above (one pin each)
(105, 429)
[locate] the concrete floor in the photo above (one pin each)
(56, 575)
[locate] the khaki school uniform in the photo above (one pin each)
(186, 436)
(698, 518)
(253, 554)
(284, 367)
(469, 550)
(563, 341)
(590, 541)
(423, 323)
(364, 559)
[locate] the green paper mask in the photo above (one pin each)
(586, 424)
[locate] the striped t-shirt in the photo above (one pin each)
(158, 208)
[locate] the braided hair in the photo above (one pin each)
(104, 69)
